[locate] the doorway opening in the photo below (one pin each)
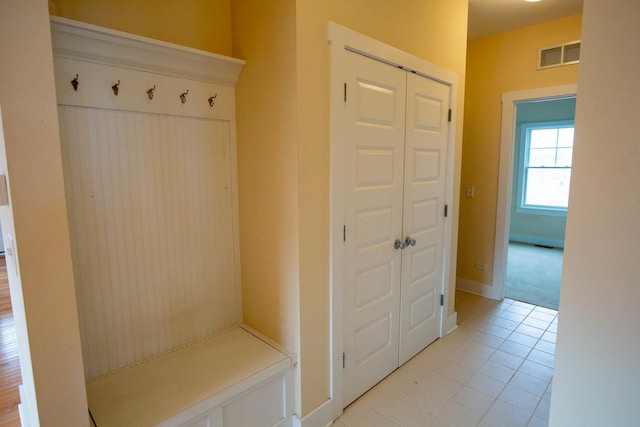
(542, 153)
(535, 154)
(10, 370)
(10, 373)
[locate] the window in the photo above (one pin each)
(545, 172)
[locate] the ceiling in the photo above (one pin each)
(487, 17)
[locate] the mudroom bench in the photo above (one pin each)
(237, 378)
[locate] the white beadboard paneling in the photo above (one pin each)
(151, 212)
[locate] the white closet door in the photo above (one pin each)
(374, 159)
(423, 213)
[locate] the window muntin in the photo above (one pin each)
(545, 161)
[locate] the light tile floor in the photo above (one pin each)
(495, 369)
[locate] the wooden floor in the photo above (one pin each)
(10, 376)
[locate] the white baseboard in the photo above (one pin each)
(451, 323)
(322, 416)
(535, 240)
(477, 288)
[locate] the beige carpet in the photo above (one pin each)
(533, 274)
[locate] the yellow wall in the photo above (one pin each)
(496, 64)
(45, 304)
(434, 30)
(283, 138)
(264, 35)
(201, 24)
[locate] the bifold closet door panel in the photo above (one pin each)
(374, 127)
(395, 134)
(150, 210)
(426, 144)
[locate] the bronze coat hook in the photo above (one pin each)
(150, 92)
(115, 88)
(74, 83)
(183, 97)
(212, 100)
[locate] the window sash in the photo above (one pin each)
(536, 196)
(556, 205)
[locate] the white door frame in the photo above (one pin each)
(341, 38)
(510, 101)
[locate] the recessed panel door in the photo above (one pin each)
(374, 161)
(423, 213)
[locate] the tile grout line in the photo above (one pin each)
(450, 350)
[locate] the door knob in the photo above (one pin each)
(409, 242)
(398, 244)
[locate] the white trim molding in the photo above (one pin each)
(536, 240)
(486, 290)
(451, 323)
(322, 416)
(360, 43)
(77, 40)
(152, 76)
(510, 101)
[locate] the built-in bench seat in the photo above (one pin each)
(230, 380)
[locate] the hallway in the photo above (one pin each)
(495, 369)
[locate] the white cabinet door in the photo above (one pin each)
(423, 213)
(395, 134)
(374, 151)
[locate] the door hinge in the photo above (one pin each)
(345, 92)
(446, 211)
(449, 117)
(441, 300)
(343, 359)
(344, 233)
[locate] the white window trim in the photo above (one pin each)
(522, 158)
